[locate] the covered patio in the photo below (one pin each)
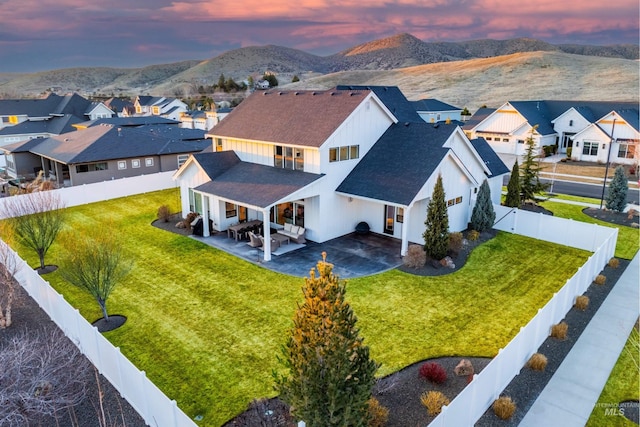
(353, 255)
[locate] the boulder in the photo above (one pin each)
(464, 368)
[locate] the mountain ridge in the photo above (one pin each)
(182, 79)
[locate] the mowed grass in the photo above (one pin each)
(628, 238)
(623, 385)
(206, 327)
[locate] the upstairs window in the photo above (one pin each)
(182, 158)
(288, 158)
(347, 152)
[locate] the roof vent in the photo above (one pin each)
(313, 93)
(406, 124)
(332, 93)
(435, 126)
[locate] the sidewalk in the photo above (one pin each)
(574, 389)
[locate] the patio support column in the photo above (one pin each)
(405, 232)
(266, 226)
(205, 216)
(46, 170)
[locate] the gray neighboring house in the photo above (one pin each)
(432, 110)
(104, 152)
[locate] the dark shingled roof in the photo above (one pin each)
(398, 165)
(23, 146)
(30, 107)
(131, 121)
(393, 98)
(494, 163)
(106, 142)
(478, 117)
(306, 118)
(250, 183)
(216, 163)
(541, 113)
(54, 126)
(432, 104)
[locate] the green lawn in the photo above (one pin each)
(206, 326)
(623, 384)
(628, 238)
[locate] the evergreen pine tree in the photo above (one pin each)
(329, 374)
(513, 188)
(617, 196)
(483, 215)
(530, 184)
(436, 235)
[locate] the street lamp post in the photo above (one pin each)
(606, 169)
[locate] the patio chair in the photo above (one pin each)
(274, 244)
(254, 240)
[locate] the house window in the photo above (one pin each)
(626, 151)
(570, 122)
(218, 144)
(122, 164)
(182, 158)
(333, 154)
(505, 139)
(298, 159)
(92, 167)
(450, 202)
(278, 157)
(488, 138)
(400, 215)
(458, 200)
(590, 148)
(13, 119)
(156, 110)
(521, 141)
(10, 164)
(344, 153)
(135, 163)
(138, 109)
(230, 210)
(347, 152)
(148, 162)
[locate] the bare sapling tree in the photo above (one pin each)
(42, 374)
(36, 218)
(9, 266)
(95, 263)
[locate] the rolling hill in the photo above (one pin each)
(470, 73)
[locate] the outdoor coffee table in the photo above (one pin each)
(281, 238)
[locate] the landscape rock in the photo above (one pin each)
(464, 368)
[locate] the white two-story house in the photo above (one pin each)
(327, 160)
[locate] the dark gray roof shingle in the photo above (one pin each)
(398, 165)
(250, 183)
(489, 157)
(432, 104)
(393, 98)
(54, 126)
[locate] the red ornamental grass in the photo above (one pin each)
(433, 372)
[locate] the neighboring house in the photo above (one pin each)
(613, 138)
(171, 108)
(23, 119)
(435, 111)
(327, 160)
(104, 152)
(121, 107)
(204, 120)
(136, 121)
(558, 122)
(262, 84)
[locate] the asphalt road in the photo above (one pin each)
(585, 190)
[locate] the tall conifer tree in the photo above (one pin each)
(483, 215)
(617, 195)
(329, 375)
(513, 188)
(436, 235)
(530, 184)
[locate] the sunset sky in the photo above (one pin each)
(38, 35)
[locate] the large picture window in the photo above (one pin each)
(626, 151)
(288, 157)
(590, 148)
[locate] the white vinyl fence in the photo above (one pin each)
(478, 396)
(147, 399)
(106, 190)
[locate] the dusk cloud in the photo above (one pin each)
(46, 34)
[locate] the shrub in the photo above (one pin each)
(600, 279)
(455, 242)
(164, 213)
(473, 235)
(569, 150)
(416, 257)
(559, 330)
(433, 372)
(434, 401)
(614, 263)
(537, 362)
(504, 407)
(378, 414)
(582, 302)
